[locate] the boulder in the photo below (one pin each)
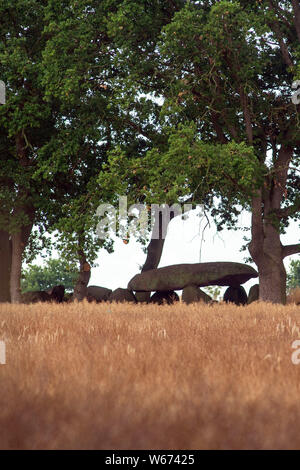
(57, 293)
(33, 297)
(179, 276)
(253, 293)
(122, 295)
(164, 297)
(97, 294)
(236, 295)
(192, 294)
(143, 297)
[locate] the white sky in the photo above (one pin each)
(182, 245)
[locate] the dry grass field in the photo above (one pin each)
(87, 376)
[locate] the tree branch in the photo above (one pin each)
(281, 15)
(281, 170)
(288, 211)
(216, 124)
(296, 8)
(283, 47)
(290, 250)
(257, 231)
(247, 116)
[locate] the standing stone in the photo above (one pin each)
(33, 297)
(143, 297)
(57, 293)
(253, 293)
(192, 294)
(97, 294)
(236, 295)
(122, 295)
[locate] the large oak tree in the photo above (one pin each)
(225, 71)
(68, 104)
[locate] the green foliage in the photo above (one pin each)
(213, 291)
(185, 168)
(226, 109)
(68, 104)
(83, 125)
(53, 273)
(26, 121)
(100, 110)
(293, 275)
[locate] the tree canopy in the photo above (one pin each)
(67, 105)
(224, 71)
(293, 275)
(53, 273)
(160, 101)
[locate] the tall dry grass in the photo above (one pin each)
(149, 377)
(294, 296)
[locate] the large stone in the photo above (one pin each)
(97, 294)
(57, 293)
(122, 295)
(179, 276)
(143, 297)
(253, 293)
(33, 297)
(164, 297)
(236, 295)
(192, 294)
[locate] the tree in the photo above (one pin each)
(226, 70)
(66, 107)
(293, 276)
(27, 123)
(80, 70)
(241, 74)
(83, 70)
(135, 27)
(53, 273)
(5, 253)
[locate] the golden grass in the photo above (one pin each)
(99, 376)
(294, 296)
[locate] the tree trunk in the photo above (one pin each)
(267, 252)
(154, 250)
(272, 274)
(5, 256)
(265, 247)
(19, 242)
(16, 267)
(83, 278)
(272, 280)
